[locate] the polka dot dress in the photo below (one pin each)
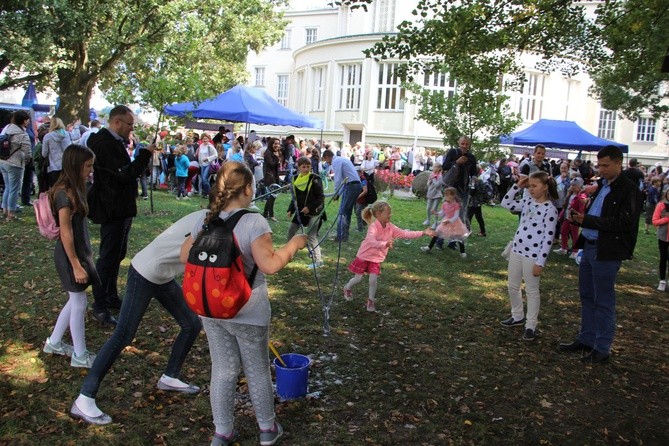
(536, 230)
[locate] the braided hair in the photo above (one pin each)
(231, 180)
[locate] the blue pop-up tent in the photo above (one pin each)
(560, 135)
(243, 104)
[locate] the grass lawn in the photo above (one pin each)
(432, 367)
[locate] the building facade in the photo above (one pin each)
(319, 69)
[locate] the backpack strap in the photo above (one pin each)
(230, 223)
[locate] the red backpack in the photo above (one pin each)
(214, 281)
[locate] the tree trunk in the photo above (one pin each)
(75, 91)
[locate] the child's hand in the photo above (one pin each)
(429, 232)
(537, 270)
(389, 244)
(289, 214)
(80, 274)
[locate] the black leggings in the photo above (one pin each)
(460, 244)
(664, 248)
(475, 211)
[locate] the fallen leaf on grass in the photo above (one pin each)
(545, 404)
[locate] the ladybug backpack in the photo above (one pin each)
(215, 284)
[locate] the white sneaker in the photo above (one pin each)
(662, 286)
(463, 255)
(425, 248)
(371, 306)
(426, 222)
(84, 361)
(62, 348)
(560, 251)
(572, 256)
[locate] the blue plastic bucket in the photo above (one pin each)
(292, 380)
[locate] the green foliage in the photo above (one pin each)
(153, 51)
(478, 44)
(628, 78)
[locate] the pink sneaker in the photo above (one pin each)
(348, 294)
(371, 307)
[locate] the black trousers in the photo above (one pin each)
(475, 211)
(113, 248)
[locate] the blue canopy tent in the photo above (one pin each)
(243, 104)
(30, 100)
(559, 134)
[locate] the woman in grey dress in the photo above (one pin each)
(73, 254)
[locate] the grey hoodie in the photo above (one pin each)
(20, 145)
(53, 146)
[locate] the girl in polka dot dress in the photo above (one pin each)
(530, 246)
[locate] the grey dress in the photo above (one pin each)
(82, 246)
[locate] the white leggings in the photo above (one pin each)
(72, 315)
(520, 268)
(373, 283)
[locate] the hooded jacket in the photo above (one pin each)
(20, 146)
(53, 146)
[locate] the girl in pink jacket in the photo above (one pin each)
(374, 248)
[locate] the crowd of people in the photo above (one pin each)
(589, 209)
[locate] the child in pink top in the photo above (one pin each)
(576, 201)
(374, 248)
(451, 227)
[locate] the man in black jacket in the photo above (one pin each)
(112, 204)
(610, 226)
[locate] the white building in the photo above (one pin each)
(319, 69)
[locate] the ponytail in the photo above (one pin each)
(369, 213)
(233, 177)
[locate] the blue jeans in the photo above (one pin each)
(139, 293)
(596, 286)
(348, 197)
(204, 180)
(13, 178)
(113, 248)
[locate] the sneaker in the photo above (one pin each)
(225, 440)
(463, 255)
(371, 307)
(145, 198)
(178, 197)
(348, 294)
(62, 348)
(84, 361)
(425, 248)
(426, 222)
(560, 251)
(511, 322)
(270, 436)
(315, 265)
(439, 247)
(572, 256)
(661, 287)
(187, 197)
(529, 335)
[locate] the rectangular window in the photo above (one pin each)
(390, 96)
(532, 97)
(319, 88)
(440, 81)
(260, 76)
(350, 83)
(645, 130)
(312, 35)
(607, 124)
(282, 89)
(286, 40)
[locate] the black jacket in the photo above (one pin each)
(114, 191)
(618, 224)
(313, 198)
(467, 170)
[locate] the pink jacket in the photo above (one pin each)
(373, 247)
(659, 219)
